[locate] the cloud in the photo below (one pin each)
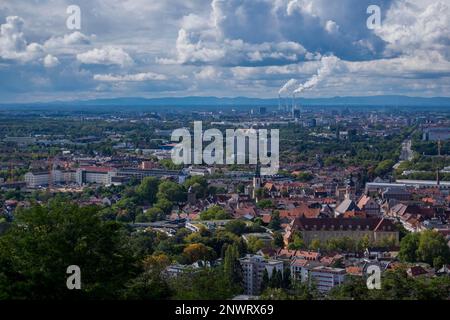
(106, 56)
(138, 77)
(331, 26)
(409, 27)
(74, 38)
(13, 45)
(224, 47)
(208, 73)
(50, 61)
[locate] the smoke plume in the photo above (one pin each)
(328, 64)
(288, 86)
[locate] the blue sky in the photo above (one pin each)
(152, 48)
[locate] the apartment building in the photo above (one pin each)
(35, 179)
(326, 278)
(253, 267)
(96, 175)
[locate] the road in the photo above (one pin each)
(406, 154)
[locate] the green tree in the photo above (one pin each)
(214, 213)
(199, 186)
(432, 245)
(275, 223)
(274, 294)
(198, 251)
(237, 227)
(164, 205)
(231, 264)
(147, 190)
(297, 242)
(264, 280)
(315, 244)
(254, 244)
(278, 241)
(408, 247)
(44, 240)
(286, 283)
(205, 284)
(171, 191)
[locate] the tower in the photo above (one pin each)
(256, 181)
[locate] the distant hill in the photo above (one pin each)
(244, 101)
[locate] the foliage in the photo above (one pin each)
(428, 246)
(214, 213)
(44, 240)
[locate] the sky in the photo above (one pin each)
(224, 48)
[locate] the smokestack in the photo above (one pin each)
(293, 103)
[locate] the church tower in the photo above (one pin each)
(256, 181)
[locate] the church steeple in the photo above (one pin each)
(256, 180)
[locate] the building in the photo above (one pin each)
(37, 179)
(23, 141)
(257, 182)
(326, 278)
(369, 206)
(142, 173)
(345, 206)
(253, 267)
(96, 175)
(324, 229)
(436, 134)
(396, 194)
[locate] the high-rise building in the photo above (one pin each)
(253, 267)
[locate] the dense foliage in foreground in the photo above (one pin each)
(115, 263)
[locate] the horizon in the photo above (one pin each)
(326, 101)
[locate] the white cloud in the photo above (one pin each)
(138, 77)
(409, 28)
(331, 26)
(50, 61)
(13, 45)
(74, 38)
(208, 73)
(106, 56)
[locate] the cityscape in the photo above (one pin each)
(288, 169)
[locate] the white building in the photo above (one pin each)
(97, 175)
(253, 267)
(35, 179)
(325, 278)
